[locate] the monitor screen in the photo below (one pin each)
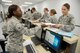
(53, 40)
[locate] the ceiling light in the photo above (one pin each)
(6, 1)
(28, 2)
(8, 4)
(24, 5)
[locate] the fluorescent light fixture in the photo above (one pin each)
(8, 4)
(25, 5)
(6, 0)
(28, 2)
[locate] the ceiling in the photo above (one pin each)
(21, 2)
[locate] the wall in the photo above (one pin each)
(1, 10)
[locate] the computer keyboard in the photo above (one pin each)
(30, 49)
(35, 40)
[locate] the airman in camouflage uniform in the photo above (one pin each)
(44, 18)
(16, 30)
(68, 22)
(36, 15)
(52, 19)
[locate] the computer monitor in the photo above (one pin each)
(39, 33)
(53, 40)
(28, 24)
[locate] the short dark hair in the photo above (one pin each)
(46, 9)
(53, 11)
(33, 8)
(12, 8)
(67, 5)
(29, 9)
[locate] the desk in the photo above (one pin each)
(71, 41)
(39, 48)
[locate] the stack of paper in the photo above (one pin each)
(67, 34)
(49, 24)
